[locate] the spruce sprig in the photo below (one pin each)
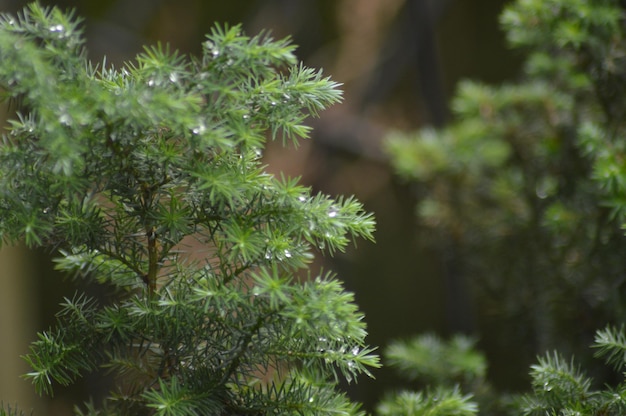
(611, 345)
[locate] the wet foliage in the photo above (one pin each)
(147, 179)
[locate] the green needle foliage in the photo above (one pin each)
(431, 360)
(443, 370)
(559, 387)
(10, 411)
(442, 402)
(526, 190)
(148, 179)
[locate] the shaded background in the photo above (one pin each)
(399, 61)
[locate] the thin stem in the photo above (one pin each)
(150, 278)
(119, 257)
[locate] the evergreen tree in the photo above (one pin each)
(525, 190)
(148, 180)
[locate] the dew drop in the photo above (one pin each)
(541, 192)
(287, 254)
(65, 119)
(273, 103)
(355, 351)
(302, 198)
(174, 77)
(199, 129)
(332, 213)
(151, 82)
(56, 28)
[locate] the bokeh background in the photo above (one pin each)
(399, 61)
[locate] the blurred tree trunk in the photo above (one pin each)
(18, 315)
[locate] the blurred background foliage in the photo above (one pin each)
(400, 62)
(523, 192)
